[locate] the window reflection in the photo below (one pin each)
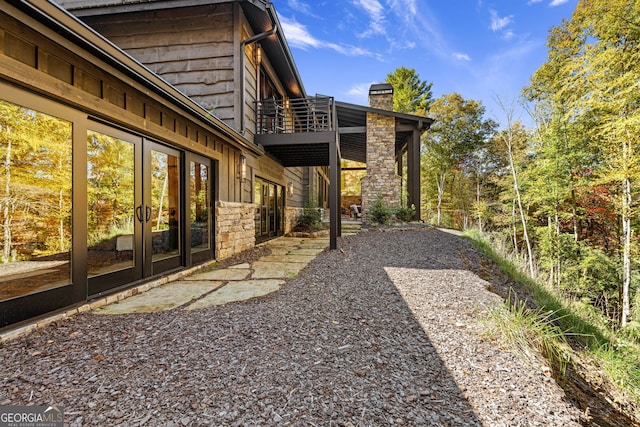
(165, 205)
(110, 204)
(35, 201)
(199, 209)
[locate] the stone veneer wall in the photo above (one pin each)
(381, 167)
(235, 228)
(291, 218)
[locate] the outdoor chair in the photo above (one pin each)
(356, 211)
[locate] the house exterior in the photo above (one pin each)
(142, 138)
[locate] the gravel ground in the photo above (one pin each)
(389, 330)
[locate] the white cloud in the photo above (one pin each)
(462, 56)
(358, 93)
(422, 27)
(375, 11)
(408, 7)
(508, 35)
(361, 89)
(498, 23)
(553, 3)
(300, 6)
(298, 36)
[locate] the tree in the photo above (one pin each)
(592, 76)
(458, 131)
(36, 183)
(410, 94)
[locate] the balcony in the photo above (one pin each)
(301, 115)
(298, 131)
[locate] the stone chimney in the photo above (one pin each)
(381, 178)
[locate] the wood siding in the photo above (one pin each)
(191, 48)
(88, 85)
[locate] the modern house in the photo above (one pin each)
(142, 138)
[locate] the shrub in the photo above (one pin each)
(310, 218)
(379, 212)
(405, 214)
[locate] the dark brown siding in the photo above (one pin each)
(191, 48)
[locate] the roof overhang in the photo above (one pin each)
(75, 31)
(352, 128)
(260, 14)
(262, 17)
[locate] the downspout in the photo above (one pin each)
(250, 40)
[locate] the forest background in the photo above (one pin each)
(561, 197)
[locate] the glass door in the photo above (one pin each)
(162, 209)
(134, 208)
(269, 201)
(114, 199)
(200, 209)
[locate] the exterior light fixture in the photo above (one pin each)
(242, 168)
(258, 54)
(290, 188)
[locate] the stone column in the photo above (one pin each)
(381, 178)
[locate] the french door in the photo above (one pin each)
(268, 216)
(134, 209)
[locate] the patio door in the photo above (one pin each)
(134, 207)
(269, 200)
(161, 212)
(114, 195)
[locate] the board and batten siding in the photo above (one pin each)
(191, 48)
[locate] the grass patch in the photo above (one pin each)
(525, 328)
(556, 322)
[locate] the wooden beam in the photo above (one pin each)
(334, 195)
(413, 172)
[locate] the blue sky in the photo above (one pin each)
(484, 50)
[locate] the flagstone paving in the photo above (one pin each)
(167, 297)
(237, 291)
(288, 256)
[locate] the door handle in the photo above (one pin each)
(147, 211)
(139, 213)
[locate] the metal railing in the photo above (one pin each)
(313, 114)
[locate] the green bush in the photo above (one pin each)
(379, 212)
(310, 218)
(405, 214)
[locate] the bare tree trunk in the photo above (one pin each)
(478, 188)
(440, 184)
(626, 251)
(515, 229)
(627, 158)
(508, 140)
(522, 217)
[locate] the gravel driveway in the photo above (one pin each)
(389, 330)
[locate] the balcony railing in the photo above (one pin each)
(313, 114)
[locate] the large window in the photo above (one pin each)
(199, 209)
(35, 201)
(110, 204)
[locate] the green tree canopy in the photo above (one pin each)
(410, 94)
(459, 130)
